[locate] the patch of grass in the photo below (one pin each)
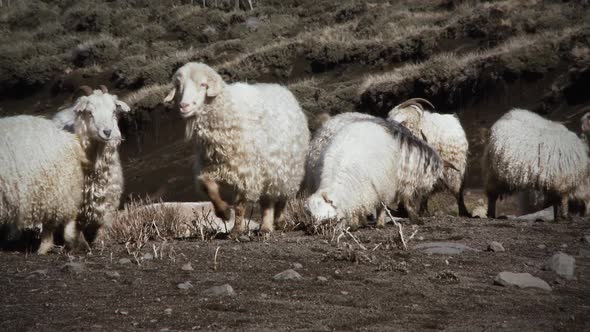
(449, 79)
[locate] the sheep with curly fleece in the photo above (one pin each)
(41, 179)
(93, 118)
(367, 161)
(251, 137)
(528, 152)
(446, 135)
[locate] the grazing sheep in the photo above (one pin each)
(365, 161)
(528, 152)
(93, 118)
(41, 179)
(252, 137)
(321, 139)
(446, 135)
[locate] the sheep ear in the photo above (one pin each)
(81, 105)
(122, 106)
(326, 199)
(170, 96)
(214, 85)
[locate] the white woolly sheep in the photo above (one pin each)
(365, 161)
(41, 179)
(252, 137)
(93, 118)
(528, 152)
(321, 139)
(445, 134)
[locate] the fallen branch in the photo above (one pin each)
(399, 227)
(354, 238)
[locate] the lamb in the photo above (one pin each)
(528, 152)
(252, 137)
(446, 135)
(93, 118)
(364, 161)
(41, 179)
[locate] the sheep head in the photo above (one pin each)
(586, 124)
(96, 114)
(320, 207)
(410, 113)
(193, 84)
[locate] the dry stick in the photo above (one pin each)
(399, 226)
(354, 238)
(215, 259)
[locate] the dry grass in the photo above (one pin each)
(143, 221)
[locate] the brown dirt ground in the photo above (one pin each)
(381, 288)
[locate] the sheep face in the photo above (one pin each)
(98, 112)
(586, 124)
(409, 117)
(320, 207)
(193, 84)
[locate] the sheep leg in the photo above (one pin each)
(463, 212)
(222, 209)
(74, 238)
(380, 217)
(268, 212)
(354, 222)
(492, 199)
(412, 214)
(560, 209)
(279, 215)
(239, 223)
(423, 206)
(46, 240)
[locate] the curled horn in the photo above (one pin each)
(448, 164)
(418, 102)
(103, 88)
(86, 89)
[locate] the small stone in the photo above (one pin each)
(496, 247)
(112, 274)
(344, 292)
(38, 273)
(563, 264)
(168, 311)
(148, 257)
(134, 324)
(244, 238)
(187, 267)
(520, 280)
(564, 245)
(443, 248)
(73, 267)
(124, 312)
(218, 291)
(289, 274)
(185, 285)
(297, 266)
(124, 261)
(586, 239)
(322, 279)
(542, 246)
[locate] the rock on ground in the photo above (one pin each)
(73, 267)
(184, 285)
(563, 264)
(521, 280)
(124, 261)
(443, 248)
(289, 274)
(187, 267)
(496, 247)
(217, 291)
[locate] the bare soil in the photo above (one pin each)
(380, 288)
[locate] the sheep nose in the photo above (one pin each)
(184, 105)
(107, 132)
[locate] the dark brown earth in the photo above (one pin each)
(380, 288)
